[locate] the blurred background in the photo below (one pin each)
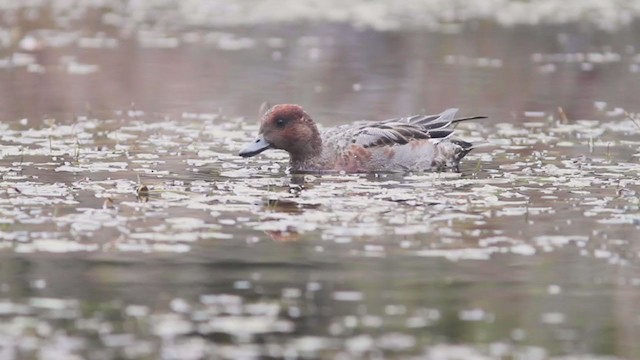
(342, 60)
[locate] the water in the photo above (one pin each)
(129, 227)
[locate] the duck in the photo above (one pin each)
(406, 144)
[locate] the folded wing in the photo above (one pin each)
(403, 130)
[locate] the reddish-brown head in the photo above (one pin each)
(289, 128)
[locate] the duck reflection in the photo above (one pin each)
(289, 235)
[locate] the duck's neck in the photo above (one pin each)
(308, 154)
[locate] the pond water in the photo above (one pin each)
(129, 227)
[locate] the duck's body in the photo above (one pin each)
(416, 143)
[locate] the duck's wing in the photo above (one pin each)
(402, 130)
(392, 133)
(437, 121)
(443, 119)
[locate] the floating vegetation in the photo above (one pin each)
(142, 191)
(120, 191)
(440, 15)
(172, 174)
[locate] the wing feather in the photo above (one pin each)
(403, 130)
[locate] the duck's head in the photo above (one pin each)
(287, 127)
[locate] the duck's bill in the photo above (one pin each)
(255, 147)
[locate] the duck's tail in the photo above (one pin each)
(469, 118)
(464, 147)
(442, 120)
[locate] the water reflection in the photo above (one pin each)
(210, 307)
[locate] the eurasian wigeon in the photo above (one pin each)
(414, 143)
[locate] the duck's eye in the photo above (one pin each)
(281, 122)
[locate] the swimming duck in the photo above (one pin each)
(413, 143)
